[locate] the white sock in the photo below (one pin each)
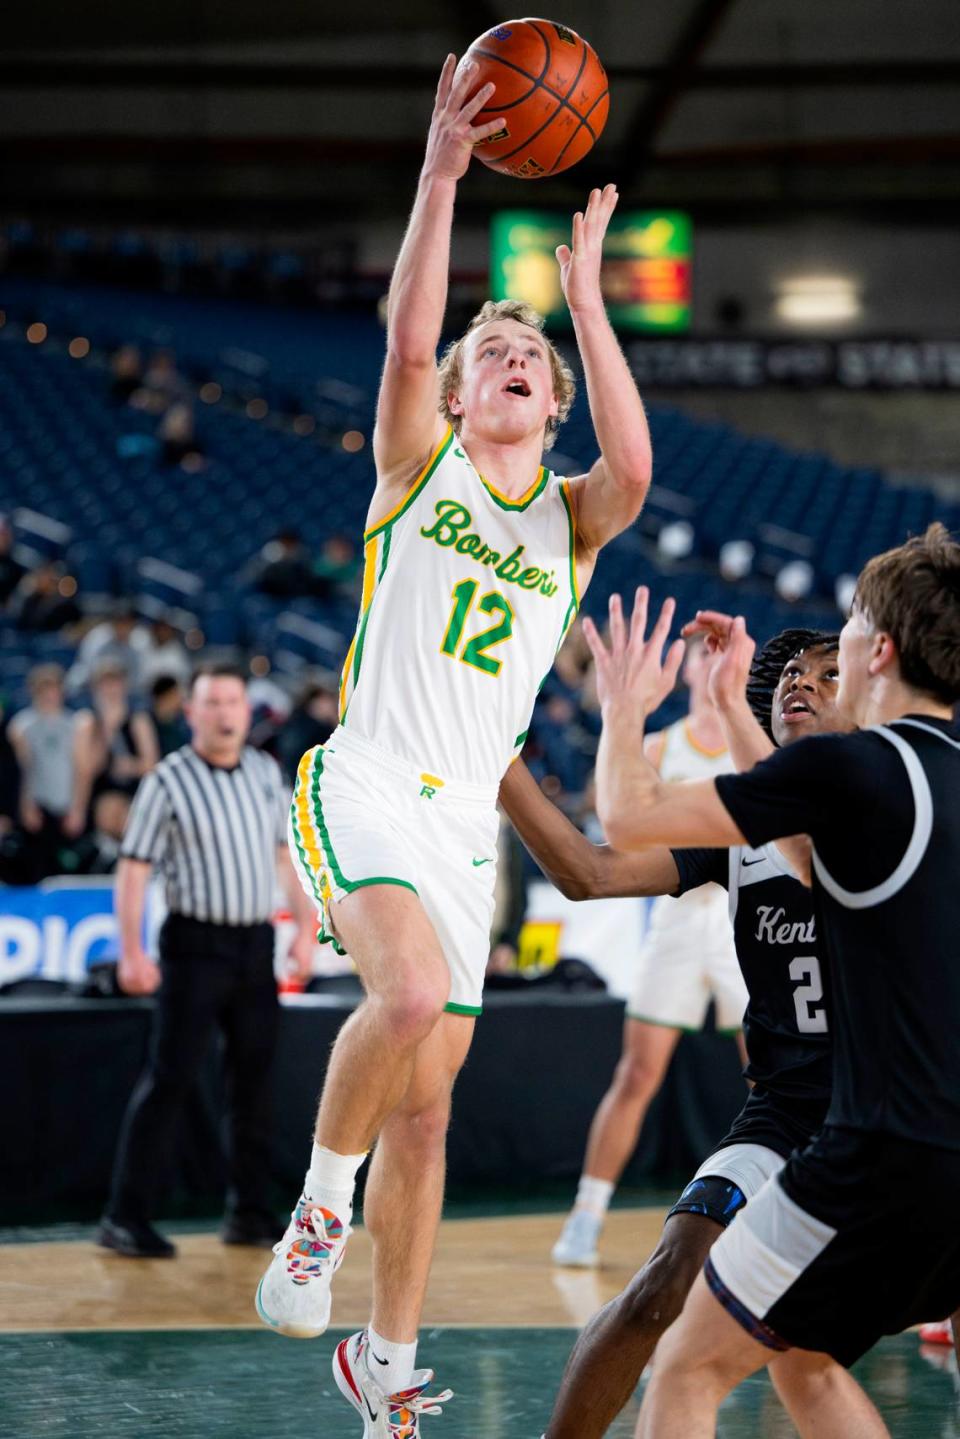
(594, 1195)
(331, 1180)
(390, 1365)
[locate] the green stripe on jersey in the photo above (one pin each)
(418, 487)
(518, 504)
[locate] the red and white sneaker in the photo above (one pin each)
(939, 1333)
(385, 1416)
(293, 1296)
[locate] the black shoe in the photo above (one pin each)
(136, 1239)
(258, 1230)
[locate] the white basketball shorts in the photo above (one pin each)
(687, 958)
(361, 816)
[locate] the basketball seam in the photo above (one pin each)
(563, 101)
(534, 84)
(585, 121)
(573, 86)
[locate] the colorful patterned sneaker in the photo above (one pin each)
(577, 1246)
(294, 1294)
(940, 1332)
(385, 1416)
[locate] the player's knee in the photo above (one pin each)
(412, 1010)
(802, 1378)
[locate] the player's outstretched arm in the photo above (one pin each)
(578, 868)
(635, 806)
(408, 424)
(746, 741)
(610, 496)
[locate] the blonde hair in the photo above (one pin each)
(451, 363)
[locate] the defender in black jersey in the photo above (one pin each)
(857, 1236)
(792, 692)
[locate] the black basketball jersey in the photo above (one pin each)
(883, 810)
(786, 1025)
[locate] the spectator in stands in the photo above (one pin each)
(116, 744)
(162, 380)
(55, 781)
(39, 605)
(164, 655)
(337, 570)
(9, 774)
(311, 722)
(11, 570)
(126, 368)
(166, 713)
(282, 569)
(119, 638)
(179, 443)
(97, 851)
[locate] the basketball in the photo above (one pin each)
(552, 92)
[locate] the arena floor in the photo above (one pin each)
(94, 1345)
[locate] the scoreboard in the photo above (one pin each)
(645, 274)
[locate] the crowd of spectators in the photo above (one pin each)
(73, 754)
(99, 719)
(285, 569)
(156, 385)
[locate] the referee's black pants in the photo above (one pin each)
(213, 976)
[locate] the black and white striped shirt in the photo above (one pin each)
(213, 833)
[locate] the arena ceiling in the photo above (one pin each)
(208, 108)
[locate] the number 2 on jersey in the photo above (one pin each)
(809, 1020)
(474, 650)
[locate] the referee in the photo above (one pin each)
(212, 818)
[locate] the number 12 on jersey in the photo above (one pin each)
(474, 651)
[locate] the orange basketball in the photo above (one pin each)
(552, 92)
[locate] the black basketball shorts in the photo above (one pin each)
(767, 1130)
(856, 1237)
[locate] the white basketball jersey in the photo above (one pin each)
(467, 596)
(683, 758)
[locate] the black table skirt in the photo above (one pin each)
(522, 1106)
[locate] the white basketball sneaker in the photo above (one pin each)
(577, 1246)
(293, 1296)
(385, 1416)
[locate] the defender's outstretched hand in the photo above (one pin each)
(633, 671)
(580, 265)
(452, 137)
(727, 636)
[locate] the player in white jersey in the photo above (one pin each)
(475, 558)
(687, 959)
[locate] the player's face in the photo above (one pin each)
(506, 391)
(805, 700)
(219, 714)
(697, 666)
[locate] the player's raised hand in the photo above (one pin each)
(714, 625)
(633, 669)
(726, 636)
(580, 261)
(452, 134)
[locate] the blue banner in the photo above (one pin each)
(56, 930)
